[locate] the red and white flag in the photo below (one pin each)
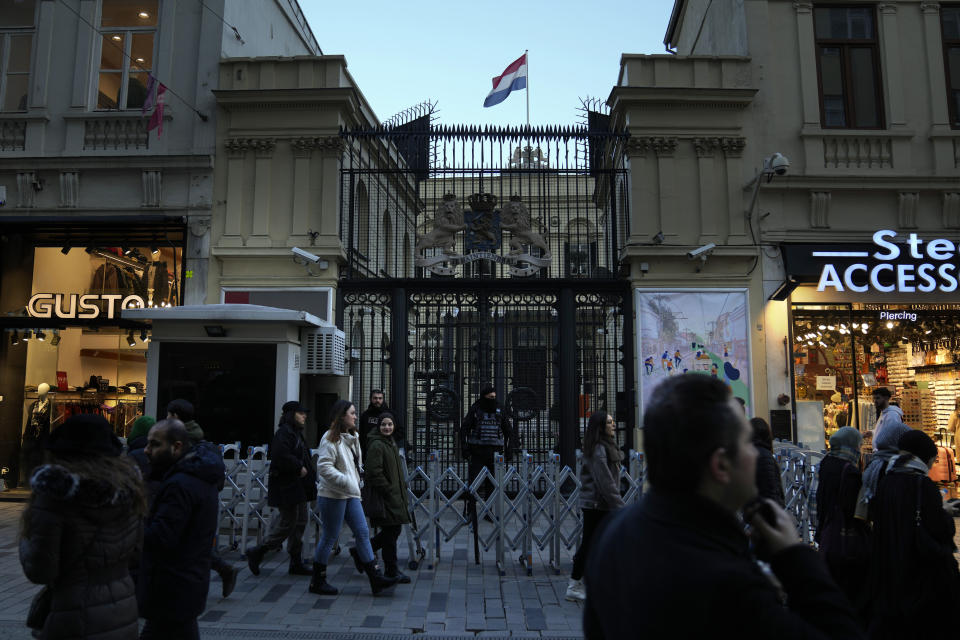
(156, 118)
(513, 78)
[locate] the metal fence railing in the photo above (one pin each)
(513, 510)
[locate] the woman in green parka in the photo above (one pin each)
(386, 473)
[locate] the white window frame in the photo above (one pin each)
(128, 33)
(5, 35)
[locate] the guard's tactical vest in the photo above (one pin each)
(486, 430)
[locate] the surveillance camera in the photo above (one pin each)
(306, 255)
(701, 252)
(644, 267)
(778, 163)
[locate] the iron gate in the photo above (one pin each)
(487, 256)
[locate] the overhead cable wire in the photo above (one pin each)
(134, 63)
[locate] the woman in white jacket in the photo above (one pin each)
(338, 469)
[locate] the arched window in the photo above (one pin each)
(387, 234)
(361, 209)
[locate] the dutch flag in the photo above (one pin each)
(513, 78)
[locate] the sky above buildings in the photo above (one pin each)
(402, 53)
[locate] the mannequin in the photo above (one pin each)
(36, 430)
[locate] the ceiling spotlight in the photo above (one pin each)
(889, 325)
(141, 60)
(822, 344)
(905, 340)
(928, 332)
(863, 330)
(799, 338)
(143, 15)
(865, 326)
(41, 336)
(143, 336)
(14, 337)
(822, 327)
(831, 327)
(131, 341)
(117, 38)
(65, 250)
(126, 250)
(55, 340)
(27, 334)
(154, 250)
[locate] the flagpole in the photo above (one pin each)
(527, 60)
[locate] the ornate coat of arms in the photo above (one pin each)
(483, 226)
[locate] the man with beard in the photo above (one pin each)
(370, 419)
(177, 536)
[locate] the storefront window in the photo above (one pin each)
(74, 337)
(843, 352)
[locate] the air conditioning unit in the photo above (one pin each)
(322, 351)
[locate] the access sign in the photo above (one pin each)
(928, 266)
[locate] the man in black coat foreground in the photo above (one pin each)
(178, 533)
(292, 485)
(678, 564)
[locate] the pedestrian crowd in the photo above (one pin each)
(114, 537)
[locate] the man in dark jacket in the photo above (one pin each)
(292, 485)
(183, 411)
(177, 535)
(370, 419)
(484, 432)
(678, 563)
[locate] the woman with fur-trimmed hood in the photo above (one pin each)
(81, 527)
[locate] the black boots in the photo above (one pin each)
(228, 575)
(378, 581)
(254, 558)
(356, 559)
(391, 571)
(299, 567)
(318, 581)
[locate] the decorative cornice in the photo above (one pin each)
(302, 147)
(930, 7)
(706, 147)
(890, 8)
(331, 143)
(733, 146)
(803, 7)
(263, 147)
(662, 146)
(236, 147)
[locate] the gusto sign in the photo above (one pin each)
(72, 305)
(932, 267)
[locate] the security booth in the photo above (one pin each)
(238, 364)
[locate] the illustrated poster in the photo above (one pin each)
(694, 331)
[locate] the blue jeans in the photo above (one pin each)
(332, 514)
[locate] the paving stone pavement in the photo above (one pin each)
(456, 599)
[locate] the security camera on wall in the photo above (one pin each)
(306, 255)
(701, 252)
(778, 163)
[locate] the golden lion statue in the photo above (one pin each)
(515, 218)
(447, 223)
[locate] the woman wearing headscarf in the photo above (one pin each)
(886, 449)
(599, 490)
(917, 579)
(844, 540)
(769, 484)
(82, 525)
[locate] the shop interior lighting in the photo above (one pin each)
(905, 340)
(889, 325)
(144, 338)
(126, 250)
(27, 334)
(822, 327)
(55, 339)
(928, 332)
(154, 250)
(14, 337)
(131, 341)
(831, 327)
(117, 38)
(863, 330)
(143, 15)
(41, 336)
(66, 249)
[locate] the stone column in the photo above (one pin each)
(710, 217)
(299, 222)
(262, 204)
(234, 209)
(733, 154)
